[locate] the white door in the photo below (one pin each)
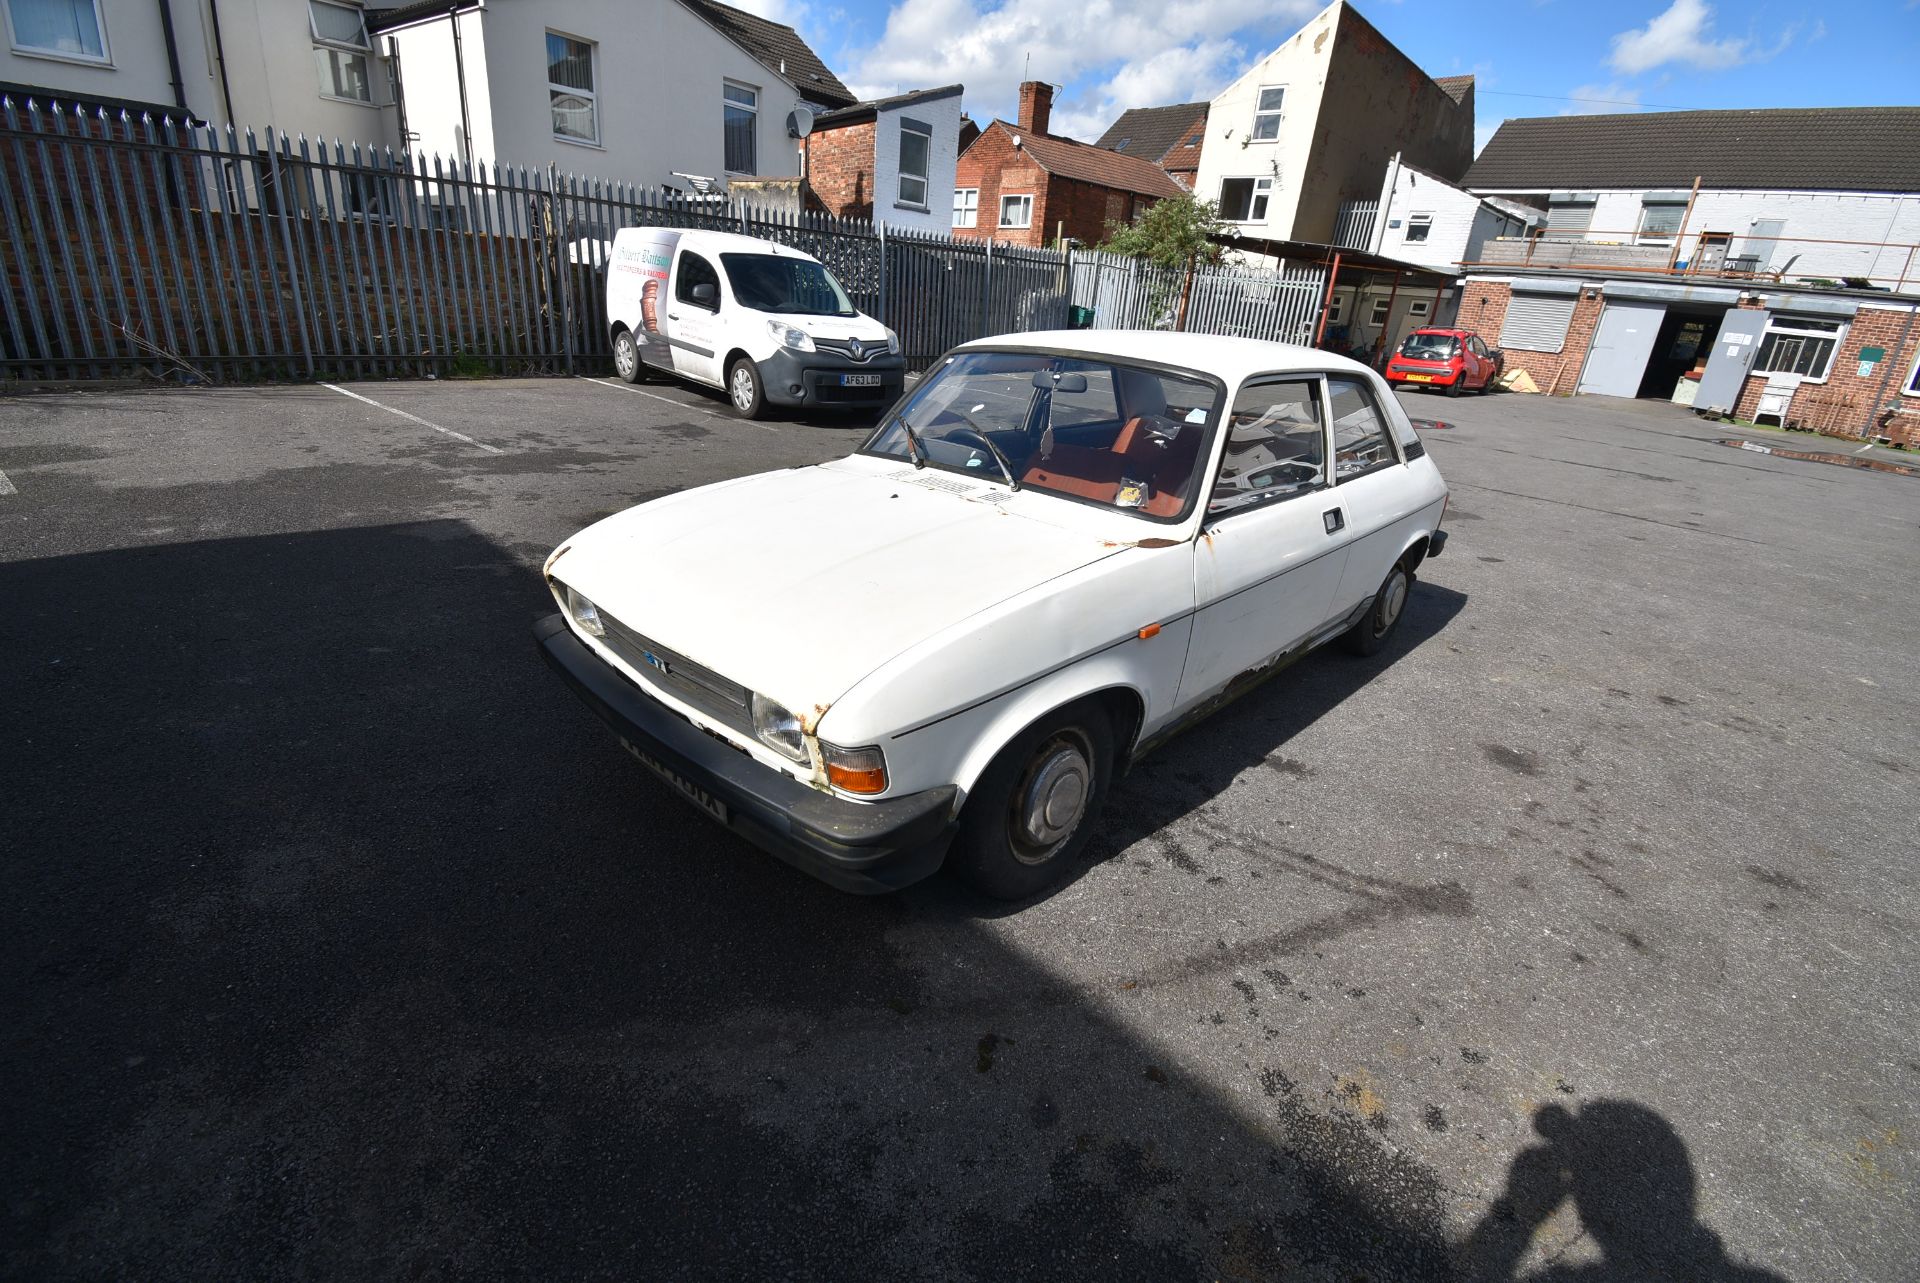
(1370, 491)
(1266, 568)
(694, 321)
(1617, 361)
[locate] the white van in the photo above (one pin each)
(762, 321)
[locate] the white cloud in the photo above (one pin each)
(1598, 100)
(1141, 52)
(1684, 34)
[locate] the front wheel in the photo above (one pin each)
(626, 357)
(743, 389)
(1032, 810)
(1383, 615)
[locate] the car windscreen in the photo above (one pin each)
(1103, 432)
(1430, 347)
(776, 283)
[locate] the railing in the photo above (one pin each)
(1738, 256)
(1353, 226)
(143, 246)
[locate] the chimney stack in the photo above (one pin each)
(1036, 106)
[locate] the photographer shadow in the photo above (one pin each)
(1631, 1182)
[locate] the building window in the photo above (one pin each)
(63, 28)
(570, 89)
(1420, 308)
(1660, 222)
(1569, 215)
(341, 50)
(916, 146)
(1266, 113)
(1337, 310)
(966, 206)
(1122, 144)
(1798, 345)
(1244, 200)
(1194, 141)
(1913, 379)
(740, 108)
(1016, 211)
(1418, 227)
(1378, 317)
(1140, 207)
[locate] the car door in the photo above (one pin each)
(1270, 554)
(1480, 368)
(1371, 489)
(693, 319)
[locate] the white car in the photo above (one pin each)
(1055, 552)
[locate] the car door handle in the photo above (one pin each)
(673, 316)
(1336, 521)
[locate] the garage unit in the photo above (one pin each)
(1650, 335)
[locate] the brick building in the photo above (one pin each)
(1170, 137)
(889, 159)
(1019, 184)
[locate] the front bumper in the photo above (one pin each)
(813, 379)
(867, 848)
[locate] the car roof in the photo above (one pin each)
(1231, 359)
(728, 243)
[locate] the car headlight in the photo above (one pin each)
(778, 728)
(585, 614)
(855, 770)
(893, 341)
(790, 336)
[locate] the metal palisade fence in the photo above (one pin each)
(136, 244)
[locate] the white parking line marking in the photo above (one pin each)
(414, 418)
(6, 486)
(655, 396)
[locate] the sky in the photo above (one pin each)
(1529, 57)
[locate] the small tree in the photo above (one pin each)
(1172, 233)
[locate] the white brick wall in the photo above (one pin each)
(943, 114)
(1821, 216)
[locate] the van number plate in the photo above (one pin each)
(686, 788)
(859, 380)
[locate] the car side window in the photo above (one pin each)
(1276, 446)
(696, 271)
(1476, 346)
(1360, 443)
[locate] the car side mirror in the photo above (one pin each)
(705, 295)
(1055, 381)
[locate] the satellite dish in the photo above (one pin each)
(799, 122)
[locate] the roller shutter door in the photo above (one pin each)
(1536, 323)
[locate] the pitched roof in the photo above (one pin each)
(1151, 132)
(780, 49)
(1455, 87)
(1083, 162)
(861, 111)
(1825, 149)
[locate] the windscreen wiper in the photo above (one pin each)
(1000, 458)
(918, 451)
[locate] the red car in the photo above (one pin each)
(1452, 359)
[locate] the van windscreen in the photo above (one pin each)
(775, 283)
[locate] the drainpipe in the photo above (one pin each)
(460, 71)
(173, 58)
(220, 57)
(1379, 237)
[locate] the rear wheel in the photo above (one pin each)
(626, 357)
(1033, 809)
(1383, 615)
(743, 389)
(1458, 385)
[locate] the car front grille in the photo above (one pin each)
(869, 348)
(727, 702)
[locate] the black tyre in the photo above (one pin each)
(743, 389)
(1383, 614)
(1458, 385)
(1033, 809)
(626, 357)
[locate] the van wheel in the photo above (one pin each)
(743, 389)
(626, 357)
(1383, 615)
(1034, 808)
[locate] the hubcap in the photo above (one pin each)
(1052, 798)
(742, 388)
(1392, 599)
(623, 354)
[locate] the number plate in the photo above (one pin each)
(684, 787)
(1419, 378)
(859, 380)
